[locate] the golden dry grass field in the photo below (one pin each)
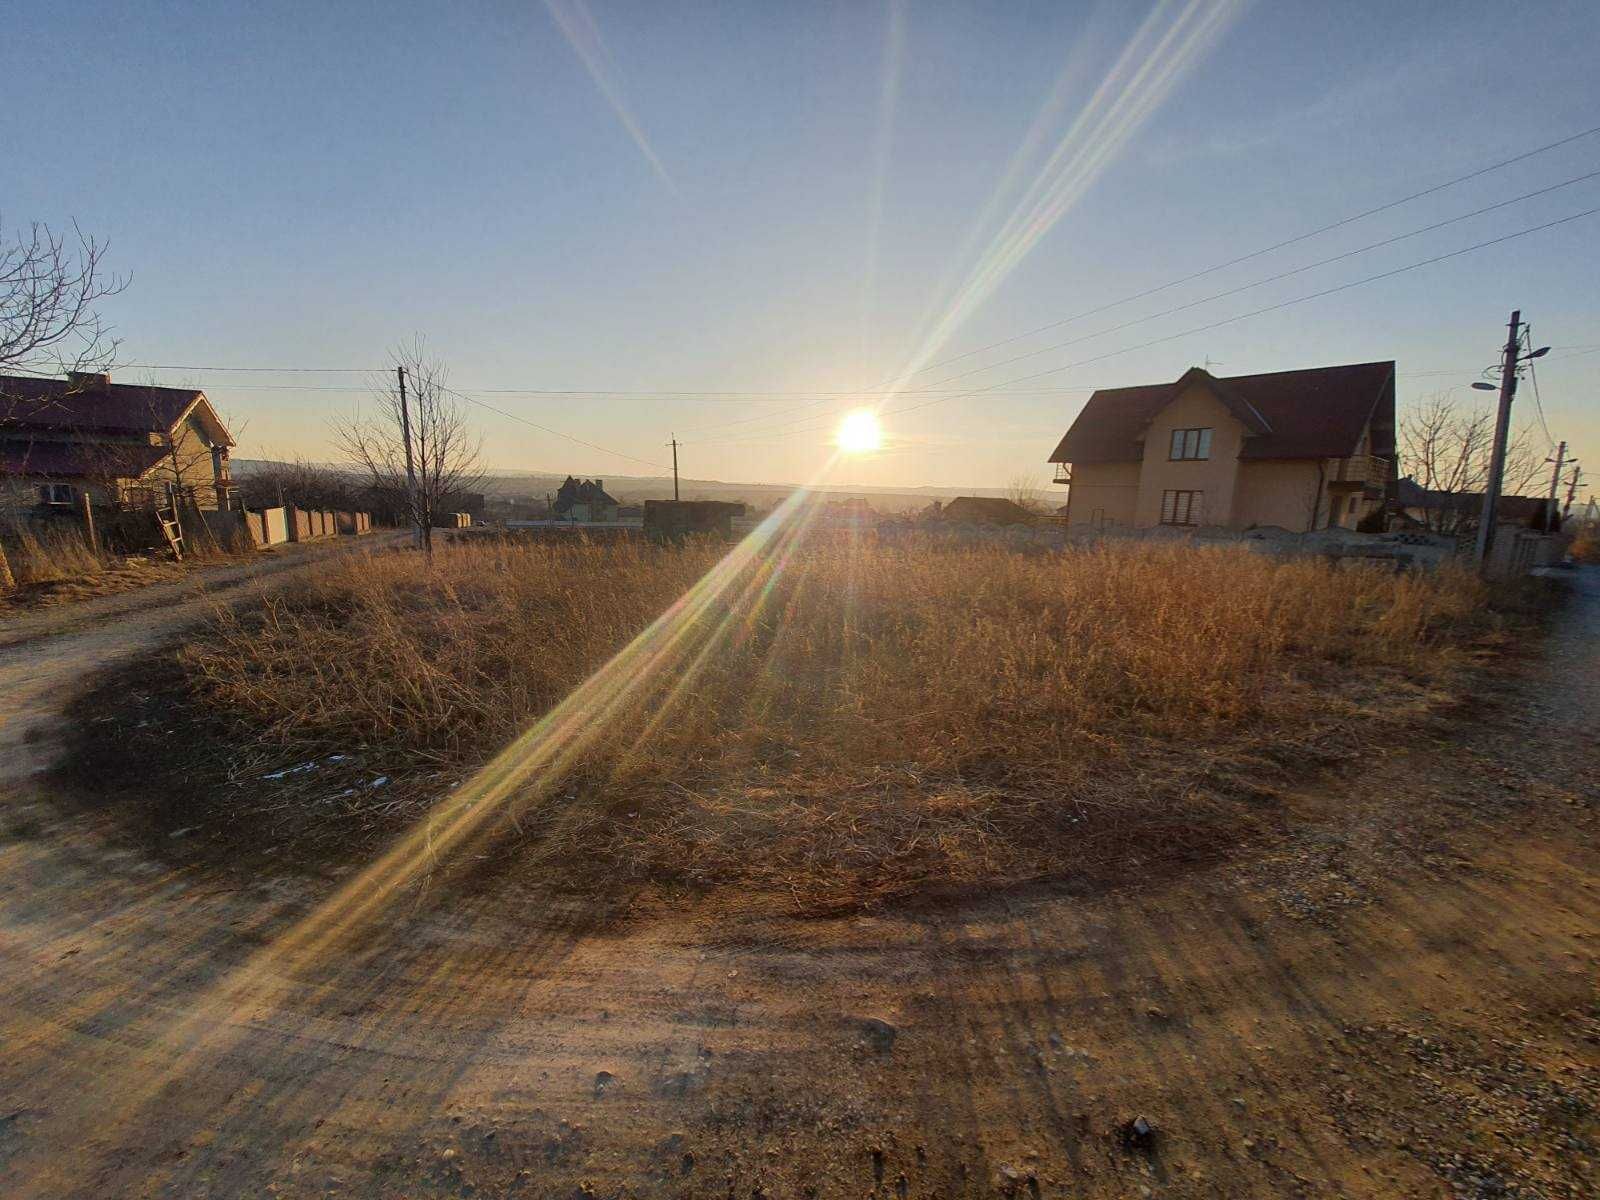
(837, 723)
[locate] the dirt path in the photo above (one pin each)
(43, 654)
(1395, 998)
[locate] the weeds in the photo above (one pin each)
(867, 720)
(49, 555)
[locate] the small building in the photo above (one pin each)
(985, 510)
(61, 439)
(584, 500)
(673, 520)
(1299, 450)
(1460, 512)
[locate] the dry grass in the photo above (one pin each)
(889, 717)
(48, 555)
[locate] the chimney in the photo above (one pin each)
(600, 484)
(88, 381)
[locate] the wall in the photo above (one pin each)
(274, 526)
(193, 468)
(1103, 494)
(1277, 492)
(1195, 408)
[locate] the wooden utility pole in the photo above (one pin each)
(87, 510)
(1502, 429)
(674, 444)
(411, 469)
(1572, 491)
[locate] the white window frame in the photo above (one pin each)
(1190, 445)
(57, 494)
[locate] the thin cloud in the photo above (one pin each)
(577, 23)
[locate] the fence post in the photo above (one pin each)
(87, 510)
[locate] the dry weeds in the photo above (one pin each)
(890, 717)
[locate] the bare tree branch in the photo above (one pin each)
(445, 452)
(49, 289)
(1446, 448)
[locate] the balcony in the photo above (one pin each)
(1360, 468)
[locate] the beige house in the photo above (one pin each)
(61, 439)
(1296, 449)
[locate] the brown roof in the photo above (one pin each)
(60, 404)
(1315, 413)
(993, 509)
(56, 460)
(1410, 494)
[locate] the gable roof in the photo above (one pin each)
(1314, 413)
(95, 406)
(995, 509)
(585, 491)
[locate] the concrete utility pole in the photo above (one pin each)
(1555, 476)
(674, 444)
(1502, 428)
(411, 470)
(1572, 491)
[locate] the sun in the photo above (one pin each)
(859, 432)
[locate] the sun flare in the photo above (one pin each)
(859, 432)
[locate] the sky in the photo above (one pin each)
(776, 208)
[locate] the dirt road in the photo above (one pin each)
(43, 654)
(1395, 997)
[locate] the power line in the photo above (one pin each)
(553, 432)
(1282, 304)
(1389, 241)
(1167, 312)
(1233, 262)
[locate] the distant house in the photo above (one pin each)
(116, 443)
(1459, 512)
(584, 500)
(1297, 449)
(985, 510)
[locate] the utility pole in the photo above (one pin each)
(674, 444)
(411, 469)
(1502, 428)
(1555, 479)
(1572, 491)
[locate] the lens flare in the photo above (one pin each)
(859, 432)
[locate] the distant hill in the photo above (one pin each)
(635, 489)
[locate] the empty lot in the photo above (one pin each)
(1393, 996)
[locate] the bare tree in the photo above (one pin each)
(1446, 448)
(49, 290)
(1026, 493)
(49, 322)
(443, 450)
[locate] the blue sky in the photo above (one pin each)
(799, 198)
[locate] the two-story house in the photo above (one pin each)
(584, 500)
(1297, 449)
(61, 439)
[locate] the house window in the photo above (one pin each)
(1190, 443)
(1182, 507)
(57, 493)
